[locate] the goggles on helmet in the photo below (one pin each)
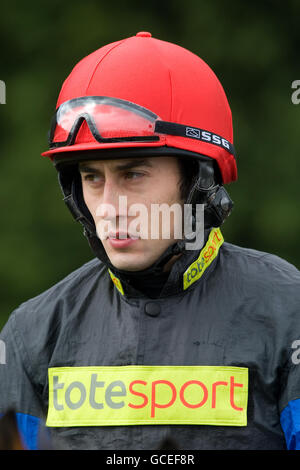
(117, 120)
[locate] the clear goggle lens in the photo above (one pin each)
(108, 119)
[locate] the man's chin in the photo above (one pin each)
(130, 262)
(130, 266)
(134, 258)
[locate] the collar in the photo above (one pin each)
(187, 269)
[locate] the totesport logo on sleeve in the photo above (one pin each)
(131, 395)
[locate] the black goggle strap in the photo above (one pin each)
(181, 130)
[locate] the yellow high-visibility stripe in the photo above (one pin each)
(116, 282)
(206, 257)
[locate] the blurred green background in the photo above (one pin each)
(252, 46)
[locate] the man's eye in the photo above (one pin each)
(133, 175)
(91, 177)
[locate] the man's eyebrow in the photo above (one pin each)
(122, 166)
(87, 169)
(133, 164)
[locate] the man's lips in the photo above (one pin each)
(122, 236)
(118, 240)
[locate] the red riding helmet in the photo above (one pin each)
(143, 92)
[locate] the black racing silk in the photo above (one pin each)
(232, 309)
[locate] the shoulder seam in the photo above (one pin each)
(264, 257)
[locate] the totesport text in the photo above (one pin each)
(127, 395)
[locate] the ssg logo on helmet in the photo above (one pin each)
(207, 136)
(129, 395)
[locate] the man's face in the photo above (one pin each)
(142, 181)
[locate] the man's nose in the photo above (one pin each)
(110, 193)
(113, 202)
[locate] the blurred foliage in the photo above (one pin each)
(253, 47)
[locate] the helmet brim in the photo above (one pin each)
(79, 151)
